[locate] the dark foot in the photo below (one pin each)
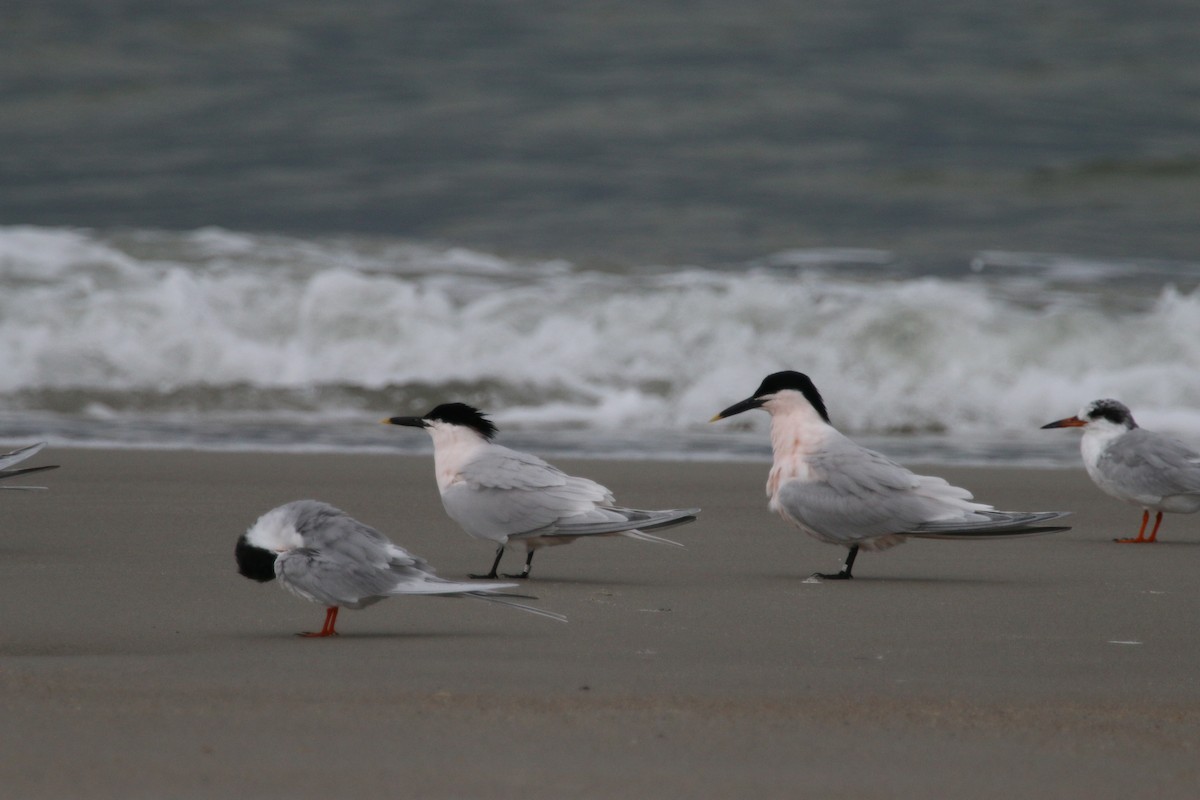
(491, 576)
(832, 576)
(520, 576)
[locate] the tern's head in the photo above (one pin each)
(1105, 415)
(259, 546)
(273, 533)
(781, 391)
(256, 563)
(450, 416)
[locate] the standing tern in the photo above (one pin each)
(1133, 464)
(327, 557)
(17, 456)
(505, 496)
(841, 493)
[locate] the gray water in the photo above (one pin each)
(616, 132)
(183, 166)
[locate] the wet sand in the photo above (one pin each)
(136, 663)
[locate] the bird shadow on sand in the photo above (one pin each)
(369, 635)
(74, 650)
(9, 553)
(1135, 546)
(898, 580)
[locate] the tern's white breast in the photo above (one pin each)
(453, 448)
(794, 439)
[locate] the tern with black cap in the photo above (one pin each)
(509, 497)
(844, 494)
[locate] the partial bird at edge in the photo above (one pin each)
(17, 456)
(1147, 469)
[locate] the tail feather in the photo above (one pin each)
(477, 591)
(504, 600)
(646, 537)
(435, 585)
(631, 519)
(995, 524)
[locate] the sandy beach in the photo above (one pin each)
(136, 663)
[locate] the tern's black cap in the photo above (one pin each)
(464, 415)
(777, 382)
(1112, 410)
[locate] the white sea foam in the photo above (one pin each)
(181, 321)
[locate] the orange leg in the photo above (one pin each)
(1141, 537)
(327, 628)
(1154, 533)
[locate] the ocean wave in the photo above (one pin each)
(217, 322)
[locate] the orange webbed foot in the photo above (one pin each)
(1141, 537)
(326, 629)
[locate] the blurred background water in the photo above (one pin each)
(267, 224)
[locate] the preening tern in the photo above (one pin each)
(323, 555)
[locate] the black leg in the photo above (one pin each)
(844, 573)
(491, 576)
(525, 572)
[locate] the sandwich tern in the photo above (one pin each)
(17, 456)
(841, 493)
(504, 496)
(1133, 464)
(325, 556)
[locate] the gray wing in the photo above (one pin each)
(860, 494)
(846, 519)
(499, 467)
(993, 525)
(505, 493)
(614, 519)
(1144, 463)
(344, 562)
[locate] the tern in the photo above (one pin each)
(17, 456)
(323, 555)
(841, 493)
(1133, 464)
(506, 496)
